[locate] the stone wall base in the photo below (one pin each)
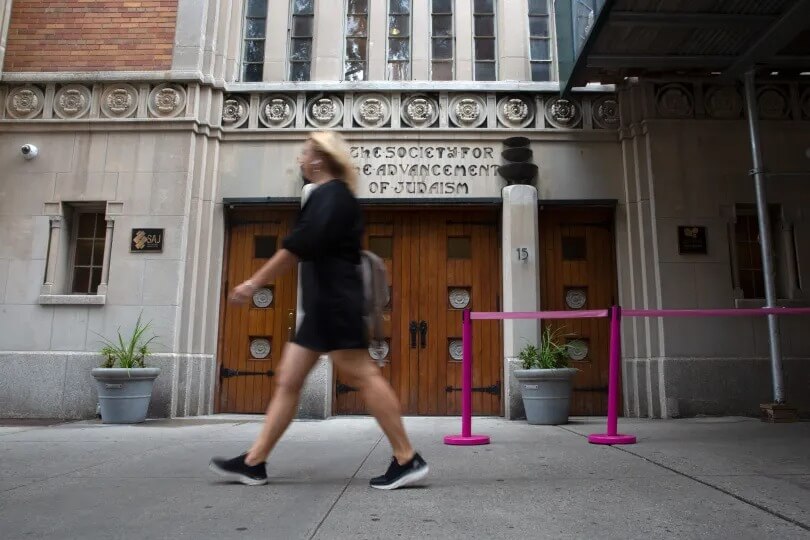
(59, 385)
(684, 387)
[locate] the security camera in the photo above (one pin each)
(29, 151)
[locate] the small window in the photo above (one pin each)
(459, 247)
(399, 40)
(301, 30)
(484, 40)
(574, 248)
(442, 35)
(540, 40)
(89, 239)
(264, 247)
(254, 33)
(382, 246)
(356, 61)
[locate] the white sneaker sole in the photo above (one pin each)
(235, 477)
(410, 478)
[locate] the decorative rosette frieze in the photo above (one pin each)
(25, 102)
(420, 111)
(72, 101)
(516, 111)
(235, 111)
(675, 101)
(325, 111)
(468, 110)
(606, 112)
(723, 102)
(277, 111)
(372, 110)
(563, 113)
(773, 103)
(167, 101)
(119, 101)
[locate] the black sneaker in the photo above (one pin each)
(235, 469)
(401, 475)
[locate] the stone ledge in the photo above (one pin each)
(72, 299)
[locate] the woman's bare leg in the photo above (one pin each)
(382, 402)
(296, 363)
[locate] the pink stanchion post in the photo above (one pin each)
(612, 437)
(466, 438)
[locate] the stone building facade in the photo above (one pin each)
(182, 119)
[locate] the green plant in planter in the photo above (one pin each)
(130, 353)
(549, 355)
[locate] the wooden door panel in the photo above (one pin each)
(465, 254)
(578, 260)
(243, 386)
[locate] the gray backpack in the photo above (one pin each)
(376, 297)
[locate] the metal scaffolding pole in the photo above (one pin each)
(764, 238)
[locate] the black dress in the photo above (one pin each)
(327, 237)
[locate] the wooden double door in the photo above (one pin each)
(439, 263)
(578, 271)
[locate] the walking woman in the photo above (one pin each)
(327, 238)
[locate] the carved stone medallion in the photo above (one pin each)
(263, 297)
(25, 102)
(724, 102)
(260, 348)
(675, 101)
(773, 105)
(372, 110)
(72, 101)
(277, 111)
(234, 112)
(578, 349)
(459, 298)
(325, 111)
(119, 101)
(420, 111)
(379, 351)
(456, 349)
(468, 111)
(167, 100)
(563, 113)
(805, 103)
(606, 112)
(515, 111)
(576, 298)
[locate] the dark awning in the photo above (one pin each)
(608, 40)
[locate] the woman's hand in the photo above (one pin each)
(243, 292)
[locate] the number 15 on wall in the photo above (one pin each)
(522, 254)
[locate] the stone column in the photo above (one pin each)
(105, 269)
(511, 21)
(316, 398)
(5, 17)
(521, 285)
(328, 42)
(53, 253)
(275, 45)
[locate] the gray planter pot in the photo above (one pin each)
(124, 394)
(546, 394)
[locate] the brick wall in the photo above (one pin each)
(90, 35)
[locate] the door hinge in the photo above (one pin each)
(341, 388)
(227, 373)
(495, 389)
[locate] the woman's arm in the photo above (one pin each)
(278, 263)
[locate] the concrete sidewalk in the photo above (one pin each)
(694, 478)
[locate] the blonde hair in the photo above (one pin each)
(332, 146)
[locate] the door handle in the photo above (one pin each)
(413, 328)
(423, 328)
(290, 325)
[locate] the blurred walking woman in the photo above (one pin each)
(327, 238)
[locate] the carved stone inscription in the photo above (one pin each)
(424, 170)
